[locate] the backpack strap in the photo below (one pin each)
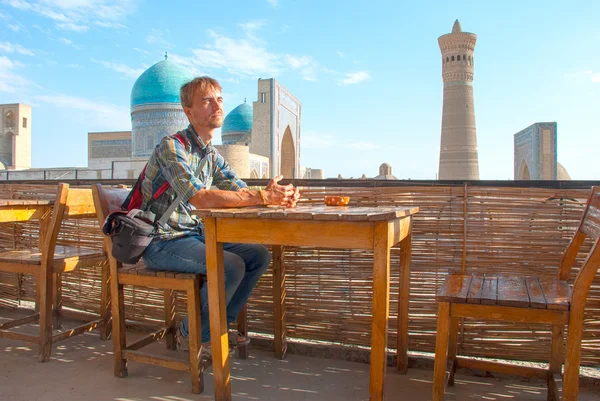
(135, 197)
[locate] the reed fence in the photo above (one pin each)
(499, 229)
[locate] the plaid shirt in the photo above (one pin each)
(177, 163)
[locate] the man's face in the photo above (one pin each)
(206, 111)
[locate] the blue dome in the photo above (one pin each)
(238, 120)
(160, 84)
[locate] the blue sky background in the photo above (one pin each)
(368, 74)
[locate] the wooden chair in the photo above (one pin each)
(47, 263)
(528, 300)
(107, 200)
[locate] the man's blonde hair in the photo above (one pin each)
(203, 84)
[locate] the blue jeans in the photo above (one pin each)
(243, 263)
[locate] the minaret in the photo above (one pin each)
(458, 150)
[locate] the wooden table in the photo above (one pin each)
(23, 209)
(377, 229)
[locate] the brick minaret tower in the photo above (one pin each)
(458, 150)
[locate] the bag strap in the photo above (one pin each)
(134, 197)
(163, 219)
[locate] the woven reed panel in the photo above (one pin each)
(518, 231)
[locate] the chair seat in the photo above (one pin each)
(521, 292)
(66, 258)
(140, 269)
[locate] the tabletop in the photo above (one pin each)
(24, 202)
(312, 212)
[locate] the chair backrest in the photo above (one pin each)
(106, 201)
(69, 203)
(589, 227)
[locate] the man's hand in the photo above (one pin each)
(281, 195)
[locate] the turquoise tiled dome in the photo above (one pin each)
(160, 84)
(238, 120)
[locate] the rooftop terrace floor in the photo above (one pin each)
(81, 368)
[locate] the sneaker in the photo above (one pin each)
(236, 338)
(182, 343)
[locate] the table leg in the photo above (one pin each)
(403, 297)
(381, 308)
(279, 302)
(215, 275)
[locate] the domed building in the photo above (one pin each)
(385, 172)
(258, 141)
(236, 136)
(155, 106)
(237, 125)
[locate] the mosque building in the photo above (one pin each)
(535, 153)
(258, 141)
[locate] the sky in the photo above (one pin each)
(368, 74)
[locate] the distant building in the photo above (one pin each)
(458, 148)
(107, 148)
(313, 173)
(15, 136)
(258, 141)
(385, 173)
(156, 110)
(535, 153)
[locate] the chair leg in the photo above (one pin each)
(170, 318)
(452, 349)
(570, 390)
(105, 314)
(118, 328)
(556, 360)
(45, 285)
(195, 336)
(441, 349)
(557, 349)
(242, 326)
(38, 291)
(57, 299)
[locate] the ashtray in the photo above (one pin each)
(337, 200)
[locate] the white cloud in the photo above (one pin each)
(104, 112)
(188, 64)
(10, 81)
(157, 37)
(78, 15)
(121, 68)
(274, 3)
(248, 57)
(15, 48)
(316, 140)
(239, 57)
(68, 42)
(69, 26)
(339, 53)
(355, 77)
(251, 27)
(14, 28)
(594, 76)
(305, 65)
(137, 49)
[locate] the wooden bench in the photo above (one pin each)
(525, 300)
(48, 262)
